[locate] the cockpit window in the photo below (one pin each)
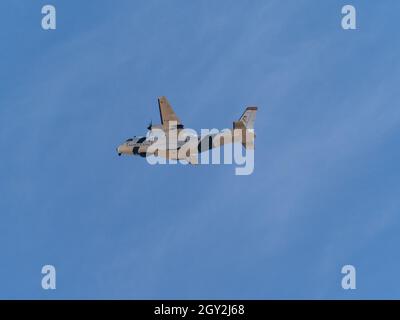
(129, 140)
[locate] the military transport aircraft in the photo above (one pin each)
(243, 132)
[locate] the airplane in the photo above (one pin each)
(243, 129)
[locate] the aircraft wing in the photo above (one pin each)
(167, 114)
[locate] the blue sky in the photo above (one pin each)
(325, 188)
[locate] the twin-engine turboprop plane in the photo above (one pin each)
(243, 131)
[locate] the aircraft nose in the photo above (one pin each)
(118, 151)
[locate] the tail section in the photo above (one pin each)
(248, 117)
(244, 127)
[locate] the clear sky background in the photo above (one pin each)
(325, 190)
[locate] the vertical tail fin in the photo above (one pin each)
(246, 125)
(248, 117)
